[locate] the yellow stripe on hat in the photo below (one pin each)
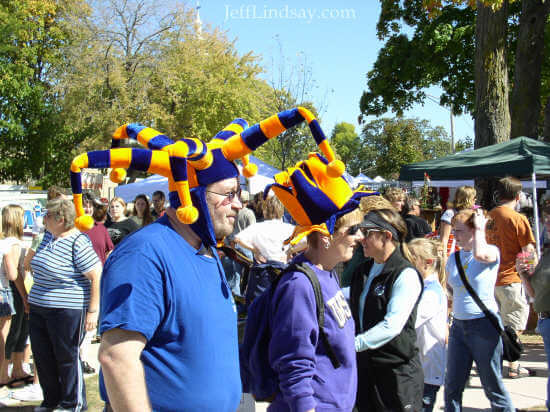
(272, 126)
(79, 162)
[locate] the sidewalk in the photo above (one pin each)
(526, 392)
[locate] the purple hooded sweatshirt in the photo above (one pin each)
(307, 378)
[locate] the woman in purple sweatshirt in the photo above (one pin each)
(307, 378)
(326, 210)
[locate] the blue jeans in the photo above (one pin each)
(544, 329)
(475, 340)
(428, 398)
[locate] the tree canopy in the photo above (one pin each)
(72, 71)
(433, 42)
(386, 144)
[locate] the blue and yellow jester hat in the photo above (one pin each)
(206, 162)
(172, 164)
(314, 196)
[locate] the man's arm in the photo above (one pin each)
(119, 355)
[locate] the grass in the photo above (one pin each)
(95, 404)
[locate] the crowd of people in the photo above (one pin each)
(370, 310)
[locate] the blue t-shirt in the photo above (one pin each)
(482, 277)
(156, 284)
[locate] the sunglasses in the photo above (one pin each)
(352, 230)
(367, 232)
(230, 196)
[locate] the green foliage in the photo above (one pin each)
(439, 52)
(423, 50)
(72, 71)
(387, 144)
(33, 138)
(348, 146)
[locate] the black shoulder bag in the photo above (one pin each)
(511, 345)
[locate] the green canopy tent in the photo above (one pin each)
(521, 157)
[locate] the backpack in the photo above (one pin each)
(260, 277)
(257, 376)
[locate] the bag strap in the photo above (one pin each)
(475, 296)
(320, 303)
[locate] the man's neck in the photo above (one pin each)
(183, 230)
(511, 204)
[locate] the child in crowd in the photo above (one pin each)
(431, 318)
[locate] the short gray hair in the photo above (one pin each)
(62, 208)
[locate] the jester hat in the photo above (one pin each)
(211, 162)
(172, 163)
(314, 196)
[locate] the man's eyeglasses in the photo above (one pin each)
(229, 195)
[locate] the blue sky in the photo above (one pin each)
(338, 41)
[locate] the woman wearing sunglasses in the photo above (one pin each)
(384, 296)
(315, 367)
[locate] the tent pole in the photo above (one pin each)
(536, 213)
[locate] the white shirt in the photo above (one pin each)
(5, 246)
(431, 331)
(268, 237)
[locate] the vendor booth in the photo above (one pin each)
(521, 157)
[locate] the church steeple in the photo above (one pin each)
(198, 22)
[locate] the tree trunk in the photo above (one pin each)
(525, 102)
(546, 130)
(492, 114)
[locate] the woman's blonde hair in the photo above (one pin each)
(349, 219)
(430, 249)
(272, 208)
(465, 197)
(119, 200)
(12, 221)
(394, 194)
(465, 216)
(62, 208)
(368, 203)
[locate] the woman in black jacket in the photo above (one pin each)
(385, 291)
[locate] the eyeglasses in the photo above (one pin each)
(229, 195)
(367, 232)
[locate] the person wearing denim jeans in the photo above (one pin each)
(475, 340)
(537, 285)
(544, 329)
(473, 337)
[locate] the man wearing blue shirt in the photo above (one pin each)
(168, 320)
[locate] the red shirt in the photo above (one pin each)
(101, 241)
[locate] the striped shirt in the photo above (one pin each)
(58, 280)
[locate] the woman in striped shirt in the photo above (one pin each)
(64, 302)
